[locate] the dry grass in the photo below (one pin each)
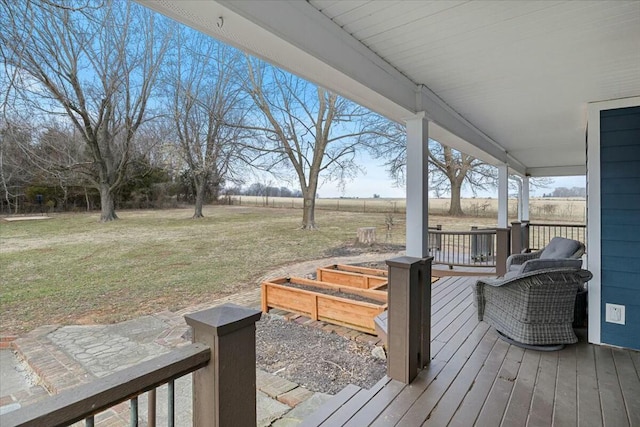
(72, 270)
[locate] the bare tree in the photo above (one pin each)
(207, 111)
(94, 68)
(459, 169)
(308, 128)
(449, 169)
(15, 170)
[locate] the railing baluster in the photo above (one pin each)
(541, 234)
(89, 421)
(133, 418)
(151, 408)
(171, 409)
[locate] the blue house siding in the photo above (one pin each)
(620, 222)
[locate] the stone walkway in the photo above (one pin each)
(63, 357)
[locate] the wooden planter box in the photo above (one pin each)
(278, 293)
(352, 276)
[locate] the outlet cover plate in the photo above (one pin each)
(614, 313)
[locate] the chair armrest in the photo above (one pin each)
(519, 259)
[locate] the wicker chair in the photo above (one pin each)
(534, 308)
(558, 247)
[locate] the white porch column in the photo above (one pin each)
(417, 185)
(524, 215)
(503, 196)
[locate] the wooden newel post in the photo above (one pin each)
(525, 235)
(224, 391)
(516, 237)
(503, 243)
(409, 320)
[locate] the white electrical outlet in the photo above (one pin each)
(614, 313)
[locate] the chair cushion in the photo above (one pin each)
(540, 264)
(559, 247)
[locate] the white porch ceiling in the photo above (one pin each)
(507, 81)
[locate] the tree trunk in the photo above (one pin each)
(200, 190)
(366, 235)
(107, 205)
(86, 198)
(455, 209)
(309, 212)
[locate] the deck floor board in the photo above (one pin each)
(565, 410)
(475, 398)
(475, 378)
(421, 409)
(497, 401)
(589, 406)
(541, 412)
(629, 383)
(613, 407)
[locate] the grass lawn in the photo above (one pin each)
(73, 270)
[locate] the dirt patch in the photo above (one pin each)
(25, 218)
(354, 249)
(334, 293)
(318, 360)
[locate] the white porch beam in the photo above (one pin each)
(464, 137)
(304, 26)
(569, 170)
(417, 186)
(524, 215)
(503, 196)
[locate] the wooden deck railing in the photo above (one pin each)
(535, 236)
(221, 358)
(541, 234)
(476, 247)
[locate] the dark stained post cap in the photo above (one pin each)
(223, 319)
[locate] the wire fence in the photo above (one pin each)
(571, 210)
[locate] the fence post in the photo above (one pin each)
(409, 320)
(516, 237)
(224, 391)
(502, 250)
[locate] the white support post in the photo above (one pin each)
(524, 216)
(417, 185)
(503, 196)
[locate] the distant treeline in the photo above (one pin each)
(257, 189)
(567, 192)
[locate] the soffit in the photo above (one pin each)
(521, 72)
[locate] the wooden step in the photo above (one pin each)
(341, 408)
(331, 406)
(380, 323)
(376, 405)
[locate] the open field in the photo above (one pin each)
(548, 209)
(73, 270)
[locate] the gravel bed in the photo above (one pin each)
(316, 359)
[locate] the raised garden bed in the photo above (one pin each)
(352, 276)
(337, 304)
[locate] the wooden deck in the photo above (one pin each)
(475, 378)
